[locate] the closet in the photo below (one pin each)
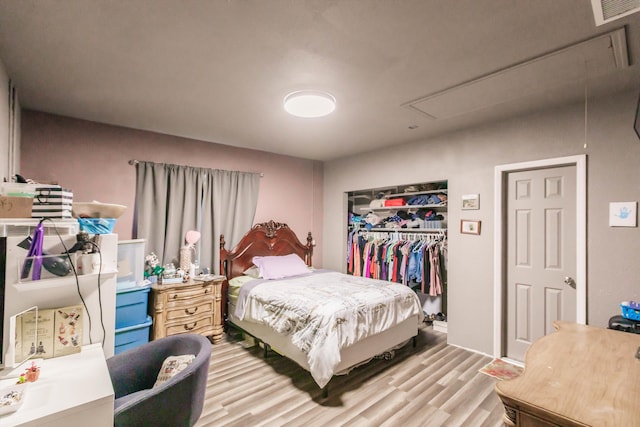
(399, 234)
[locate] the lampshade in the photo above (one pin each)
(309, 103)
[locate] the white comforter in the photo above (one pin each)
(324, 311)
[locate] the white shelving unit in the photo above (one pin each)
(25, 227)
(97, 290)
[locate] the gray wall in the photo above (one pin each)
(4, 123)
(467, 160)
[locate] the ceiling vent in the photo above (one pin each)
(605, 11)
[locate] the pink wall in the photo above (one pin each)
(92, 159)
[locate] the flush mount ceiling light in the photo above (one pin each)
(309, 103)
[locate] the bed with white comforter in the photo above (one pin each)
(327, 322)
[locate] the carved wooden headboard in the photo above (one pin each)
(265, 239)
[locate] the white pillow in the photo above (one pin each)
(253, 271)
(172, 365)
(279, 267)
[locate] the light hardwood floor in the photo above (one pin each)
(433, 384)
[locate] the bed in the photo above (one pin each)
(328, 338)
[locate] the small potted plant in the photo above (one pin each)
(152, 269)
(31, 374)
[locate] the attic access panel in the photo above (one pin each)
(593, 57)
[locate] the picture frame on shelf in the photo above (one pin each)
(468, 226)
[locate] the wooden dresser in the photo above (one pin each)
(192, 307)
(577, 376)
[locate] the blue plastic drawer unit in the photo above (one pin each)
(132, 336)
(131, 306)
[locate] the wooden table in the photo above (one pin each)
(577, 376)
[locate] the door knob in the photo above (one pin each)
(569, 281)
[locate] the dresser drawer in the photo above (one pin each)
(189, 293)
(192, 307)
(175, 311)
(195, 325)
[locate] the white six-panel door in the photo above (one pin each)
(541, 254)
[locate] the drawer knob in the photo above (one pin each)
(191, 310)
(175, 296)
(190, 328)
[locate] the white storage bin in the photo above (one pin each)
(14, 189)
(131, 255)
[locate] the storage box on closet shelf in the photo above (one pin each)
(435, 224)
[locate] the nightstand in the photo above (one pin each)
(191, 307)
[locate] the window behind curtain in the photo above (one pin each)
(173, 199)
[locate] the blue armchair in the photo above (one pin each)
(176, 402)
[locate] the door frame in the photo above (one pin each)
(500, 223)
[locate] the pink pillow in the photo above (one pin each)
(279, 267)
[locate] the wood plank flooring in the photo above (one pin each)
(433, 384)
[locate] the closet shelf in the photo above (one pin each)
(404, 230)
(416, 193)
(407, 207)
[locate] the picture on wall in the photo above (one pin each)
(623, 214)
(471, 201)
(469, 227)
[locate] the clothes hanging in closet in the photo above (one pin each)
(399, 260)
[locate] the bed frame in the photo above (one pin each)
(274, 238)
(265, 239)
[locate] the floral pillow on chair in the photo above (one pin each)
(172, 365)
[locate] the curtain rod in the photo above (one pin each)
(134, 162)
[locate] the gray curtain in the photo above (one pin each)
(173, 199)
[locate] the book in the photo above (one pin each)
(37, 343)
(68, 334)
(59, 332)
